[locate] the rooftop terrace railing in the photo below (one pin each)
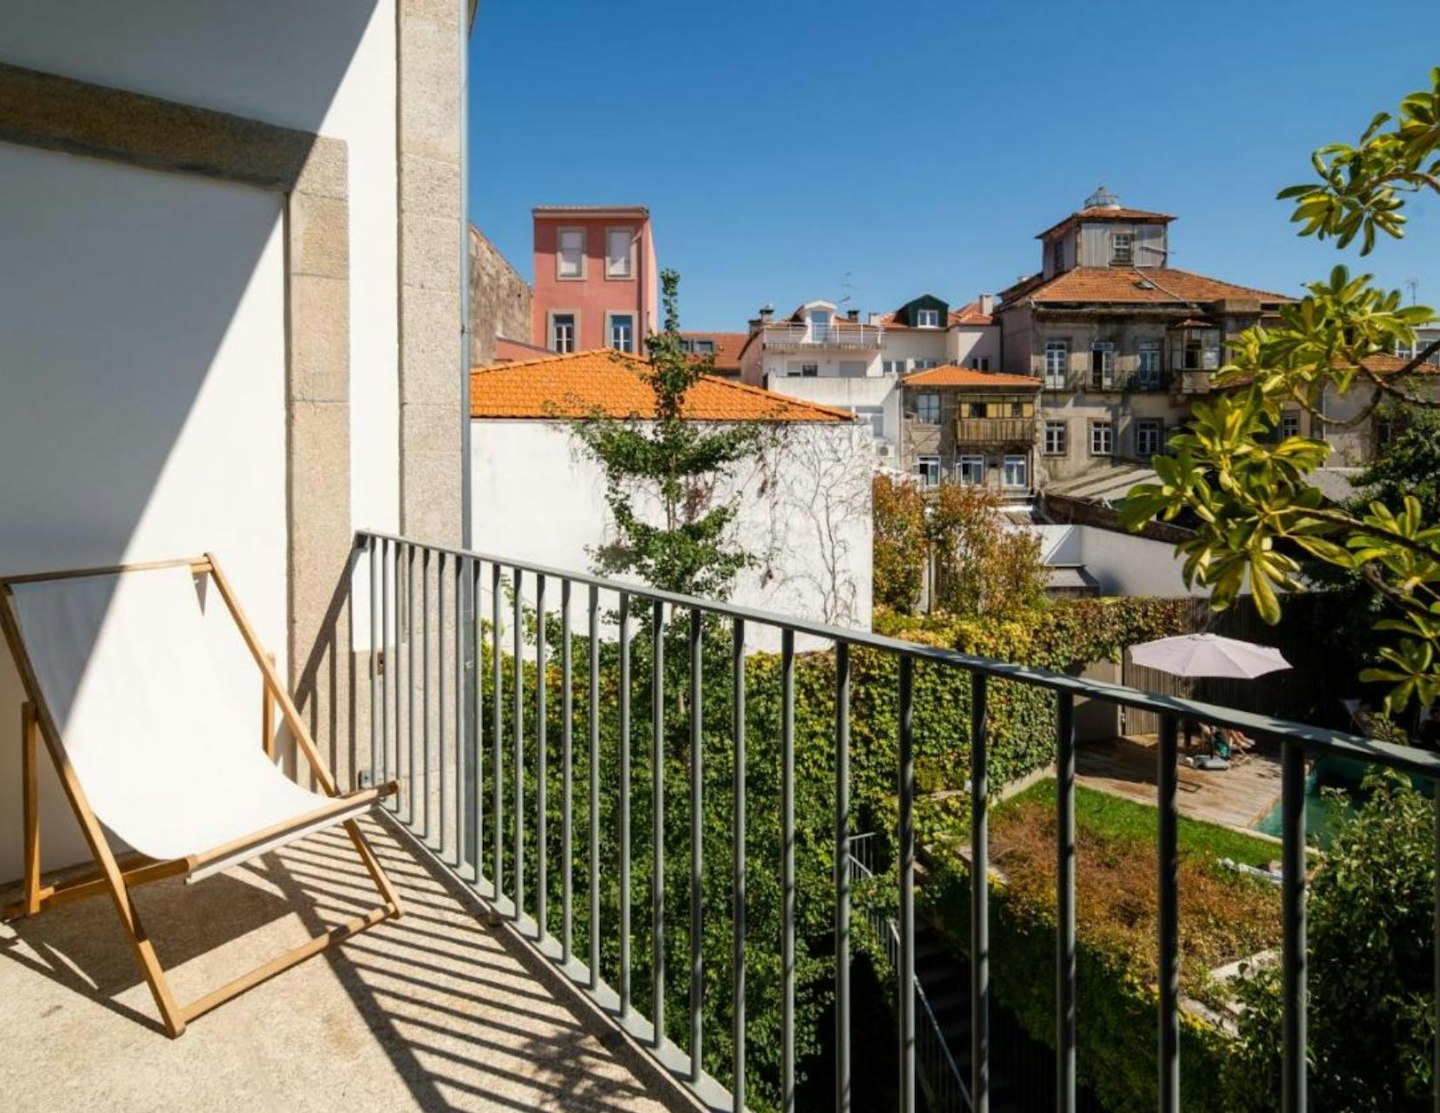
(437, 612)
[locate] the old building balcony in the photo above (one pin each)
(593, 775)
(995, 430)
(1191, 381)
(797, 337)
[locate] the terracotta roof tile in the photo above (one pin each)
(1133, 285)
(582, 383)
(951, 374)
(727, 347)
(969, 314)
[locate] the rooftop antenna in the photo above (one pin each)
(1414, 284)
(847, 288)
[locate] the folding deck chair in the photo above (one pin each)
(123, 687)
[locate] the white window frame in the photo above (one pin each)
(1127, 257)
(927, 318)
(875, 415)
(1010, 467)
(610, 319)
(628, 273)
(1105, 349)
(970, 470)
(575, 330)
(979, 363)
(1102, 433)
(1063, 429)
(1147, 426)
(927, 467)
(923, 364)
(927, 399)
(1057, 364)
(1290, 424)
(560, 233)
(893, 366)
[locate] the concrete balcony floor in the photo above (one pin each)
(432, 1011)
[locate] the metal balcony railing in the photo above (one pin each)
(422, 608)
(995, 430)
(787, 338)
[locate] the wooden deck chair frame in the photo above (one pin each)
(118, 876)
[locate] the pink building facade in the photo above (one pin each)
(596, 283)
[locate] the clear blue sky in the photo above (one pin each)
(787, 149)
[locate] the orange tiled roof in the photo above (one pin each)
(951, 374)
(1102, 212)
(969, 314)
(1132, 285)
(583, 383)
(727, 347)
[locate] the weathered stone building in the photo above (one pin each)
(499, 300)
(1122, 341)
(963, 425)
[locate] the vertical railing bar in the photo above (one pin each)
(425, 690)
(787, 871)
(374, 547)
(737, 894)
(1293, 1095)
(458, 793)
(657, 821)
(567, 779)
(477, 639)
(624, 804)
(412, 742)
(593, 787)
(440, 704)
(843, 1099)
(979, 893)
(518, 755)
(1169, 935)
(497, 741)
(905, 867)
(1065, 902)
(697, 849)
(542, 810)
(387, 562)
(1435, 947)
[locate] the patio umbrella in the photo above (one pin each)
(1208, 655)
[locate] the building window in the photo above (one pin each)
(1122, 249)
(1057, 362)
(928, 469)
(1290, 424)
(809, 370)
(1147, 373)
(1404, 350)
(1055, 437)
(619, 257)
(1102, 364)
(697, 347)
(979, 363)
(978, 409)
(893, 366)
(819, 325)
(622, 332)
(1014, 472)
(925, 364)
(1147, 438)
(927, 318)
(570, 253)
(972, 470)
(1102, 438)
(562, 332)
(1057, 256)
(927, 409)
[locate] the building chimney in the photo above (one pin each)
(852, 315)
(766, 312)
(987, 304)
(875, 318)
(754, 323)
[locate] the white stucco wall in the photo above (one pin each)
(543, 503)
(1122, 563)
(142, 313)
(873, 391)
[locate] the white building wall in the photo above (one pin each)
(810, 529)
(1122, 563)
(142, 313)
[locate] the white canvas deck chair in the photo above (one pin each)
(124, 688)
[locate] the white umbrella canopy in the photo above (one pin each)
(1208, 655)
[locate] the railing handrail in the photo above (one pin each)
(1340, 743)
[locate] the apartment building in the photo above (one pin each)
(1122, 341)
(596, 279)
(971, 426)
(830, 357)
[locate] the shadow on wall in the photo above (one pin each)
(142, 320)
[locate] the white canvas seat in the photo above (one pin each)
(120, 668)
